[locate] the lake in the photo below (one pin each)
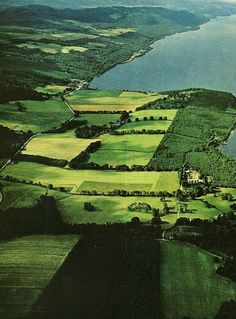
(230, 147)
(201, 58)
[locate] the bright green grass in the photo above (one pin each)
(108, 209)
(155, 113)
(99, 119)
(199, 210)
(26, 267)
(189, 283)
(59, 145)
(51, 89)
(104, 186)
(126, 149)
(74, 178)
(98, 100)
(38, 116)
(148, 125)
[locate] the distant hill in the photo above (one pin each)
(210, 7)
(38, 15)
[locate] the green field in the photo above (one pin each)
(147, 125)
(99, 119)
(108, 208)
(126, 149)
(27, 265)
(59, 145)
(51, 48)
(98, 100)
(51, 89)
(74, 178)
(189, 284)
(37, 115)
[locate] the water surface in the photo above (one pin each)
(201, 58)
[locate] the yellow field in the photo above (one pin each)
(59, 146)
(97, 100)
(52, 48)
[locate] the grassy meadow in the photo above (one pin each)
(170, 114)
(59, 145)
(27, 265)
(190, 286)
(73, 179)
(36, 115)
(51, 89)
(99, 100)
(99, 119)
(108, 208)
(126, 149)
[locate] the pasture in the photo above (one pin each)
(27, 265)
(51, 48)
(126, 149)
(99, 100)
(73, 179)
(35, 115)
(99, 119)
(57, 145)
(190, 286)
(108, 208)
(51, 89)
(146, 125)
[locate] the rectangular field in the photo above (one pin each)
(35, 115)
(98, 100)
(147, 125)
(59, 145)
(51, 89)
(74, 178)
(26, 267)
(99, 119)
(126, 149)
(189, 284)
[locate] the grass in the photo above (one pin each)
(59, 145)
(27, 265)
(99, 119)
(126, 149)
(189, 284)
(51, 89)
(74, 178)
(108, 209)
(148, 125)
(38, 115)
(98, 100)
(51, 48)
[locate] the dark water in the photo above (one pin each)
(202, 58)
(230, 147)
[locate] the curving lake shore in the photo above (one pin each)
(230, 147)
(201, 58)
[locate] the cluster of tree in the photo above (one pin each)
(89, 207)
(133, 131)
(77, 113)
(227, 196)
(41, 159)
(92, 131)
(80, 160)
(68, 125)
(227, 310)
(140, 207)
(11, 141)
(44, 217)
(125, 193)
(174, 100)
